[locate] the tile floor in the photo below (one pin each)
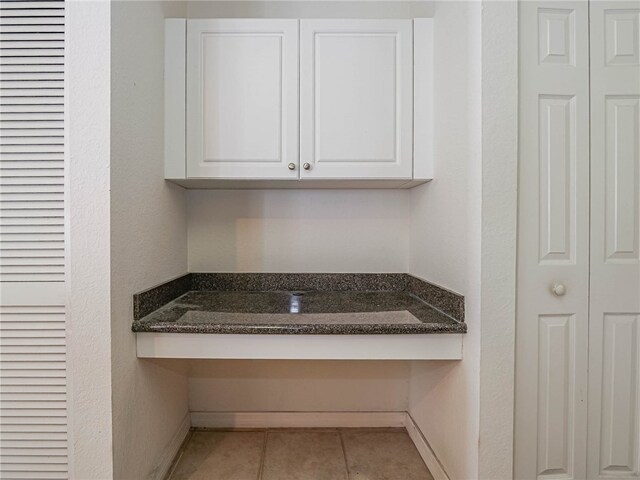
(299, 454)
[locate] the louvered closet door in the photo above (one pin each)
(33, 415)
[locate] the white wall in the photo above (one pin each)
(467, 216)
(302, 386)
(445, 239)
(298, 231)
(309, 9)
(499, 212)
(148, 237)
(87, 27)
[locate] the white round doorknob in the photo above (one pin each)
(558, 289)
(306, 166)
(292, 166)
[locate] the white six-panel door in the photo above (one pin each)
(356, 98)
(553, 241)
(614, 332)
(578, 332)
(242, 98)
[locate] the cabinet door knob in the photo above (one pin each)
(292, 166)
(306, 166)
(558, 289)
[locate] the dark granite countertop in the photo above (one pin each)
(394, 308)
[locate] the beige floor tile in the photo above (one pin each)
(221, 456)
(380, 455)
(304, 455)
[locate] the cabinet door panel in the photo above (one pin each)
(242, 98)
(356, 98)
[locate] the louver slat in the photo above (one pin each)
(31, 137)
(33, 397)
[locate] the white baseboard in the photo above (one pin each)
(171, 450)
(297, 419)
(427, 454)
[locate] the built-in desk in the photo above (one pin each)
(299, 316)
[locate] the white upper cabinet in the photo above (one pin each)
(356, 98)
(298, 103)
(242, 98)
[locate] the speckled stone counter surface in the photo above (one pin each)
(248, 303)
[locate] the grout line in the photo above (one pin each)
(264, 454)
(344, 454)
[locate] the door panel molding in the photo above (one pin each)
(557, 150)
(619, 420)
(622, 162)
(556, 389)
